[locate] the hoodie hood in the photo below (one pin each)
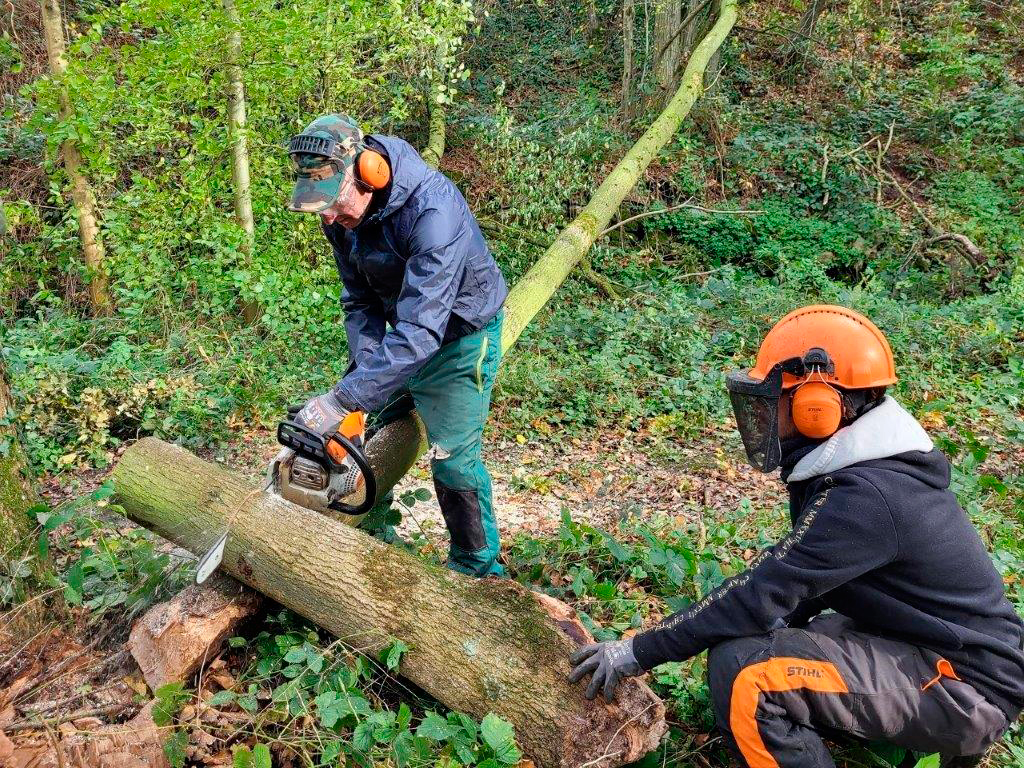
(884, 431)
(407, 172)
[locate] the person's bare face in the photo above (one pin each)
(350, 207)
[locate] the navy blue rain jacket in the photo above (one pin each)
(418, 263)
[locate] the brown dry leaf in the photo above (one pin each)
(524, 763)
(15, 688)
(220, 758)
(137, 684)
(6, 747)
(223, 679)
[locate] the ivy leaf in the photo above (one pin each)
(393, 654)
(248, 702)
(500, 736)
(434, 727)
(220, 698)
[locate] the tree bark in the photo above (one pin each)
(592, 24)
(81, 193)
(434, 151)
(478, 646)
(240, 183)
(711, 79)
(236, 125)
(667, 15)
(396, 446)
(628, 27)
(17, 494)
(809, 20)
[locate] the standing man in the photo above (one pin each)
(422, 298)
(922, 648)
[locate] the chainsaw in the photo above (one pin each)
(321, 472)
(316, 472)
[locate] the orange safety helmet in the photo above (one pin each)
(817, 351)
(859, 351)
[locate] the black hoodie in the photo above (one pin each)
(884, 542)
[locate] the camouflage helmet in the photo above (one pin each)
(320, 155)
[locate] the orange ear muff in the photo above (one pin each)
(817, 409)
(372, 169)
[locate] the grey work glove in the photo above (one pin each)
(610, 662)
(322, 414)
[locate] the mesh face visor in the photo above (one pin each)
(755, 403)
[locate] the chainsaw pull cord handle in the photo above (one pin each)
(369, 479)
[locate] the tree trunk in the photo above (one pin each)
(81, 193)
(591, 27)
(809, 20)
(17, 494)
(434, 151)
(799, 46)
(711, 76)
(240, 184)
(628, 27)
(540, 283)
(396, 446)
(478, 646)
(236, 125)
(667, 15)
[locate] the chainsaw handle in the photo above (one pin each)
(369, 479)
(311, 444)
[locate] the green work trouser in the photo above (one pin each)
(452, 394)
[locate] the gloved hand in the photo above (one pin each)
(610, 662)
(322, 414)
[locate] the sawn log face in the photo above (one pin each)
(478, 646)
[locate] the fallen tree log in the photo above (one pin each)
(478, 646)
(393, 457)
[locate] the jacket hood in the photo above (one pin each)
(407, 172)
(884, 431)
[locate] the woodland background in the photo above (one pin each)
(866, 152)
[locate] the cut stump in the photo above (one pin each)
(174, 639)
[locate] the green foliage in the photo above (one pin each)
(147, 80)
(259, 757)
(114, 571)
(170, 698)
(291, 671)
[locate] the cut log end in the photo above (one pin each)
(608, 734)
(173, 639)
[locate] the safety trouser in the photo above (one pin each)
(452, 394)
(776, 694)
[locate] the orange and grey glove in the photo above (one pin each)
(610, 662)
(323, 414)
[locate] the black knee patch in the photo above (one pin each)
(461, 510)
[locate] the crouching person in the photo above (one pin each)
(920, 646)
